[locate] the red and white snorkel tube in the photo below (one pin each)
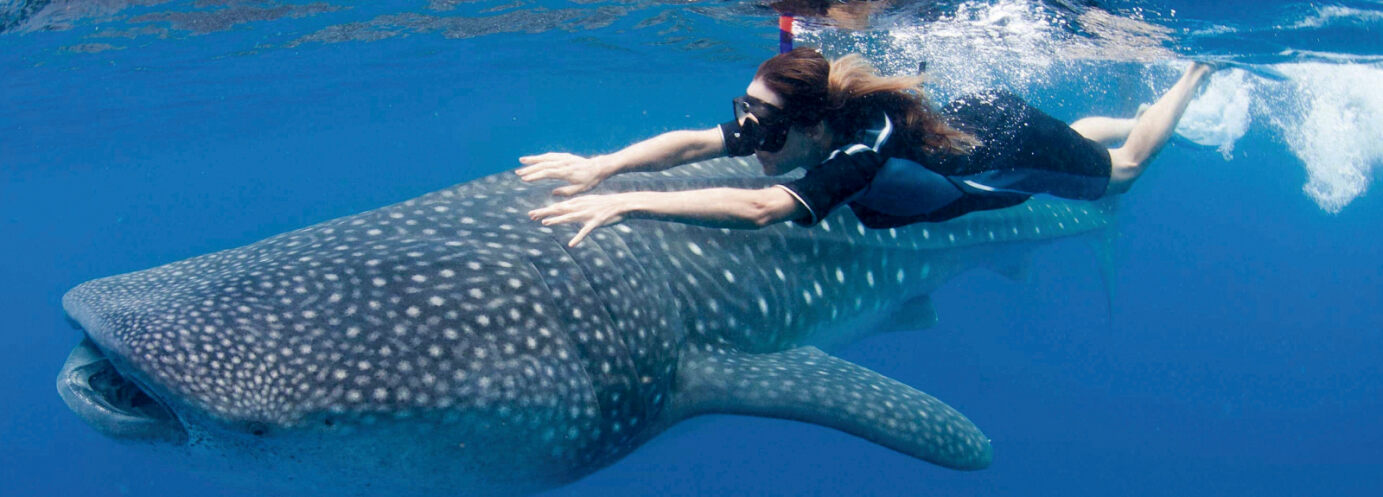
(785, 33)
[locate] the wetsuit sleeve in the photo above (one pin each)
(735, 144)
(835, 181)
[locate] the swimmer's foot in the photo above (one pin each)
(1208, 65)
(1261, 70)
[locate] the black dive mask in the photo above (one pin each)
(768, 130)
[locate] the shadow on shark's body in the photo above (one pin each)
(447, 345)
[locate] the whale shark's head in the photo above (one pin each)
(369, 348)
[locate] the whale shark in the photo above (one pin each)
(447, 345)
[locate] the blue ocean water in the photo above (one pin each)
(1236, 353)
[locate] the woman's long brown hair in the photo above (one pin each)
(848, 94)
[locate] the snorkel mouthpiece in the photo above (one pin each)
(762, 126)
(743, 138)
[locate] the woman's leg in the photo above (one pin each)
(1153, 129)
(1107, 131)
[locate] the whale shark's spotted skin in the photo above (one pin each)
(452, 330)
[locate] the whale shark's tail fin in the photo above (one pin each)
(806, 384)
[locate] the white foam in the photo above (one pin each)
(1220, 115)
(1336, 15)
(1215, 29)
(1331, 116)
(1336, 57)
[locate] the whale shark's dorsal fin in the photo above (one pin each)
(805, 384)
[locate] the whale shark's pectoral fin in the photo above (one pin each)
(1103, 245)
(806, 384)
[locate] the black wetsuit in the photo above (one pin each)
(1023, 152)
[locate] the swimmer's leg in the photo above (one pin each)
(1107, 131)
(1153, 129)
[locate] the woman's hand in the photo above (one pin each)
(583, 173)
(592, 210)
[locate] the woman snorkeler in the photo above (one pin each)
(874, 143)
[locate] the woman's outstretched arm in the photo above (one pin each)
(714, 207)
(667, 150)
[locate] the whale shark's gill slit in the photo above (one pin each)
(609, 359)
(591, 279)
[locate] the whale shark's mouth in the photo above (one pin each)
(108, 401)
